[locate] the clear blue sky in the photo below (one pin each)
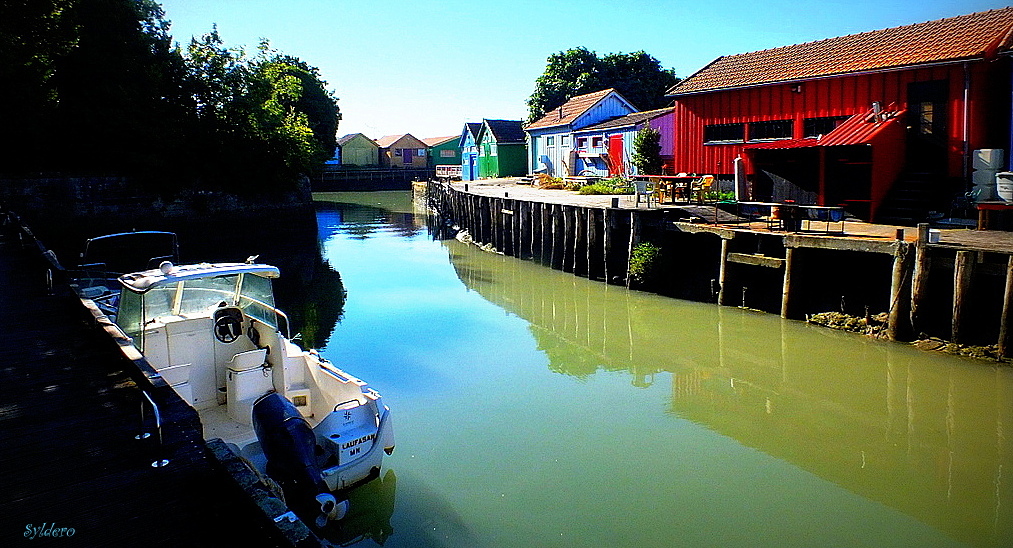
(427, 66)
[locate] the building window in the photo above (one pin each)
(770, 130)
(566, 140)
(397, 152)
(814, 127)
(724, 133)
(448, 153)
(596, 142)
(581, 142)
(492, 149)
(550, 141)
(422, 153)
(925, 118)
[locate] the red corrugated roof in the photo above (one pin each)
(570, 110)
(857, 130)
(977, 35)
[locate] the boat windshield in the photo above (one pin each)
(199, 296)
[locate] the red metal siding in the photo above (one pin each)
(841, 96)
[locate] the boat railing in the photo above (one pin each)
(353, 400)
(159, 461)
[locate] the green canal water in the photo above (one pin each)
(535, 408)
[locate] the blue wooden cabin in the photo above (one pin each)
(469, 151)
(550, 138)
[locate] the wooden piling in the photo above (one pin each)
(566, 242)
(962, 273)
(526, 241)
(515, 228)
(723, 271)
(608, 222)
(592, 242)
(557, 235)
(789, 263)
(1007, 310)
(898, 323)
(920, 279)
(579, 241)
(634, 240)
(546, 230)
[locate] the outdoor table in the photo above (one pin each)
(670, 185)
(988, 211)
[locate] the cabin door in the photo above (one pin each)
(927, 131)
(616, 166)
(406, 155)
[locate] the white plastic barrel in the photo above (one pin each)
(1004, 185)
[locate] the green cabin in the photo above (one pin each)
(444, 151)
(355, 149)
(502, 151)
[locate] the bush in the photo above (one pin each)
(643, 262)
(615, 185)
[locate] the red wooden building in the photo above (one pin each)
(884, 121)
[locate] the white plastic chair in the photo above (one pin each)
(644, 188)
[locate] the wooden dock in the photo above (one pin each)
(959, 288)
(70, 407)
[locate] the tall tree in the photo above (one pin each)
(264, 120)
(647, 151)
(119, 88)
(32, 36)
(637, 76)
(96, 87)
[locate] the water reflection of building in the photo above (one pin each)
(921, 433)
(360, 214)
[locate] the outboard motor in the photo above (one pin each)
(289, 445)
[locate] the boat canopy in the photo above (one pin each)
(141, 282)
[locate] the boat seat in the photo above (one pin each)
(250, 359)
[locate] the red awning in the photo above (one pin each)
(860, 129)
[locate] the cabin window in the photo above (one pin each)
(422, 153)
(724, 133)
(581, 142)
(397, 152)
(566, 140)
(448, 153)
(492, 149)
(770, 130)
(814, 127)
(596, 142)
(550, 141)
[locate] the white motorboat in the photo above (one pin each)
(212, 331)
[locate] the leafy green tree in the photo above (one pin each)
(97, 87)
(120, 105)
(637, 76)
(264, 120)
(647, 151)
(89, 85)
(32, 36)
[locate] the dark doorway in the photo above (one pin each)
(927, 131)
